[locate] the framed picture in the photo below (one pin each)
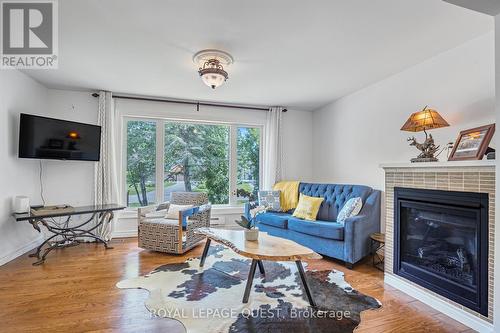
(471, 144)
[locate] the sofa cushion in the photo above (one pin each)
(324, 229)
(277, 220)
(335, 195)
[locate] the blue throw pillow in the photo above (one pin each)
(270, 199)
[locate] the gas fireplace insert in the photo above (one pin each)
(441, 243)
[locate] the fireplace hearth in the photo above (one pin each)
(441, 243)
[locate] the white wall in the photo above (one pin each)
(353, 135)
(18, 94)
(297, 144)
(67, 182)
(70, 182)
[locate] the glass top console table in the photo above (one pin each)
(64, 233)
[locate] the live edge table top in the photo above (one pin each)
(265, 248)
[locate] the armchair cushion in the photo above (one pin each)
(173, 210)
(156, 214)
(277, 220)
(164, 221)
(324, 229)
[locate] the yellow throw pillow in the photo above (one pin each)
(308, 207)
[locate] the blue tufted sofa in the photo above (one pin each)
(349, 242)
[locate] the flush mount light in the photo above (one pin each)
(211, 66)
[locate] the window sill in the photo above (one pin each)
(216, 210)
(227, 209)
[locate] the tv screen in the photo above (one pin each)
(48, 138)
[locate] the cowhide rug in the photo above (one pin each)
(209, 299)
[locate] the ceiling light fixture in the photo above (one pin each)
(211, 66)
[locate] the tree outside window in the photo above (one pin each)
(248, 150)
(141, 163)
(196, 158)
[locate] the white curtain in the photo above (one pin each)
(106, 172)
(273, 149)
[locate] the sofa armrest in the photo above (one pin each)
(357, 229)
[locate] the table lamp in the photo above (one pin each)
(422, 121)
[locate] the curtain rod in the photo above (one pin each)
(188, 102)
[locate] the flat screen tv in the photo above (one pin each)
(48, 138)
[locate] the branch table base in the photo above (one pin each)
(64, 234)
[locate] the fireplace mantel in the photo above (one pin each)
(445, 164)
(460, 176)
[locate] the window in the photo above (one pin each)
(197, 159)
(141, 163)
(248, 151)
(166, 156)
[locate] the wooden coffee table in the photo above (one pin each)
(266, 248)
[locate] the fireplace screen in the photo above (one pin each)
(440, 242)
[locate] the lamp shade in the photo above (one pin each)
(424, 120)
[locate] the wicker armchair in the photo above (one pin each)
(157, 233)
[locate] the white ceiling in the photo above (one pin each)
(300, 54)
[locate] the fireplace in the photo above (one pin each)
(441, 243)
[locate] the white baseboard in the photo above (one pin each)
(437, 303)
(21, 250)
(124, 233)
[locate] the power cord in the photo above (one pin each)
(41, 183)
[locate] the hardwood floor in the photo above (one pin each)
(74, 291)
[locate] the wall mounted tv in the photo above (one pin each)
(48, 138)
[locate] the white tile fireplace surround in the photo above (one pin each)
(459, 176)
